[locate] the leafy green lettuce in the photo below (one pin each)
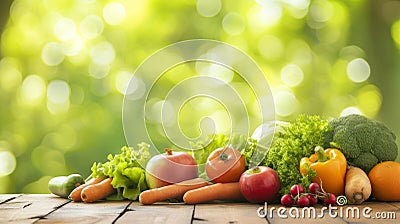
(297, 140)
(126, 170)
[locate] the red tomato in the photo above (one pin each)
(225, 165)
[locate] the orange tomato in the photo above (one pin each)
(225, 165)
(385, 181)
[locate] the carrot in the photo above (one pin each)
(75, 195)
(170, 191)
(97, 191)
(218, 191)
(358, 185)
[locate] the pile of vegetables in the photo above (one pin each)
(355, 148)
(128, 176)
(363, 141)
(352, 156)
(121, 177)
(292, 144)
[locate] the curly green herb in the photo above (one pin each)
(295, 142)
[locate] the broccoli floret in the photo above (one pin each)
(381, 145)
(347, 143)
(365, 134)
(363, 141)
(365, 161)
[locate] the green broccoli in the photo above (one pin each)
(363, 141)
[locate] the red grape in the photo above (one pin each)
(287, 200)
(303, 201)
(330, 200)
(312, 200)
(296, 190)
(314, 188)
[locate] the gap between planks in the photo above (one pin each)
(28, 208)
(8, 197)
(17, 208)
(80, 212)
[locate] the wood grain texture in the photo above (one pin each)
(80, 212)
(397, 204)
(6, 197)
(159, 213)
(29, 208)
(377, 213)
(46, 208)
(230, 213)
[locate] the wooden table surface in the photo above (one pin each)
(46, 208)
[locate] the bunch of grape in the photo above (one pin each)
(299, 197)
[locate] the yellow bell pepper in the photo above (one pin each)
(330, 165)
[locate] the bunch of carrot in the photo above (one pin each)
(193, 191)
(93, 190)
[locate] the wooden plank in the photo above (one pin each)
(397, 204)
(79, 212)
(29, 208)
(7, 197)
(232, 213)
(52, 209)
(160, 213)
(20, 221)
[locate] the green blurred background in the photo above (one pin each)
(65, 65)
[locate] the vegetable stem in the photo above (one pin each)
(223, 156)
(168, 151)
(89, 177)
(255, 170)
(321, 154)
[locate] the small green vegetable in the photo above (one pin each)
(64, 185)
(363, 141)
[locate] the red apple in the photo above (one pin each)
(170, 167)
(259, 184)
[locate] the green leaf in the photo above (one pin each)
(126, 170)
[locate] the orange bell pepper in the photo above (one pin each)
(330, 165)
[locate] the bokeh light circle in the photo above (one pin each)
(114, 13)
(286, 103)
(65, 29)
(292, 75)
(358, 70)
(52, 54)
(91, 26)
(234, 23)
(208, 8)
(8, 163)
